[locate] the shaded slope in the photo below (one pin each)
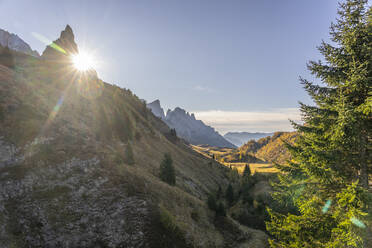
(64, 180)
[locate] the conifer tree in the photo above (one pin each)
(327, 178)
(167, 172)
(221, 211)
(212, 203)
(230, 194)
(219, 192)
(247, 171)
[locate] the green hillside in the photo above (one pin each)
(271, 149)
(265, 150)
(66, 178)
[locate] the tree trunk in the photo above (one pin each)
(364, 182)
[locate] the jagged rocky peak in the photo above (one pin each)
(180, 111)
(67, 34)
(13, 42)
(156, 109)
(188, 127)
(66, 42)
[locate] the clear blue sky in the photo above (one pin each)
(205, 56)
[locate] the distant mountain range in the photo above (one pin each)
(240, 138)
(13, 42)
(188, 127)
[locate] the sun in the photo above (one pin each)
(83, 61)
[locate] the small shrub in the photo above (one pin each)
(172, 135)
(167, 171)
(173, 132)
(138, 135)
(195, 215)
(211, 201)
(219, 192)
(165, 231)
(221, 211)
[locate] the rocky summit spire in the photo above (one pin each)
(64, 45)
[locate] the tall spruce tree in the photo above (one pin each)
(247, 171)
(326, 182)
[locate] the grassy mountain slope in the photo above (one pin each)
(64, 177)
(269, 149)
(275, 150)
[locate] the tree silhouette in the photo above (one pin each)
(167, 171)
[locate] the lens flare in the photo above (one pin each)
(83, 61)
(327, 206)
(357, 222)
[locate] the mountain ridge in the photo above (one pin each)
(240, 138)
(188, 127)
(64, 177)
(15, 43)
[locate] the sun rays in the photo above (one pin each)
(83, 61)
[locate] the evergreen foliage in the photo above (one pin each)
(245, 193)
(221, 210)
(212, 203)
(217, 206)
(173, 133)
(219, 192)
(167, 171)
(327, 179)
(247, 171)
(229, 194)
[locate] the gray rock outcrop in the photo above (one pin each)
(188, 127)
(13, 42)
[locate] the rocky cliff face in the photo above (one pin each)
(13, 42)
(189, 128)
(64, 45)
(156, 109)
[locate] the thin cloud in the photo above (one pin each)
(203, 88)
(265, 121)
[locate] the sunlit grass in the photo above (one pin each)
(255, 167)
(219, 152)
